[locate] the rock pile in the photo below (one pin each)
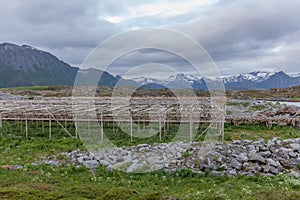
(238, 157)
(7, 96)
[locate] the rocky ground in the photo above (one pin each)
(8, 96)
(238, 157)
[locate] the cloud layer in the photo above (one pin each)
(240, 36)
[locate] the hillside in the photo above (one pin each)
(27, 66)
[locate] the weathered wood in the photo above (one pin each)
(61, 125)
(26, 127)
(50, 126)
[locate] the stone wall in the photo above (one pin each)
(237, 157)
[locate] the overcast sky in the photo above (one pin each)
(240, 35)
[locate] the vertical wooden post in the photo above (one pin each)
(50, 136)
(101, 126)
(159, 126)
(131, 129)
(165, 128)
(77, 125)
(26, 128)
(138, 131)
(191, 128)
(43, 126)
(223, 121)
(113, 125)
(0, 120)
(21, 127)
(168, 123)
(1, 123)
(89, 126)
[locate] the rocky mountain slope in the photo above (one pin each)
(252, 80)
(27, 66)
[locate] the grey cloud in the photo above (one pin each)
(53, 25)
(238, 31)
(239, 35)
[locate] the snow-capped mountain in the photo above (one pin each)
(252, 80)
(294, 75)
(257, 76)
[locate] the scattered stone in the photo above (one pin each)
(253, 156)
(53, 163)
(265, 154)
(294, 173)
(12, 167)
(295, 147)
(91, 164)
(231, 172)
(238, 157)
(292, 154)
(243, 157)
(104, 163)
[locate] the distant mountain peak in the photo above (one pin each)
(8, 44)
(28, 47)
(26, 65)
(252, 80)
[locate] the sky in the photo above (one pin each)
(239, 35)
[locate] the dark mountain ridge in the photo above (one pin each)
(27, 66)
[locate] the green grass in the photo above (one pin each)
(70, 182)
(243, 104)
(121, 138)
(43, 182)
(259, 131)
(257, 107)
(114, 134)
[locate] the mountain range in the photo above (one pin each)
(247, 81)
(27, 66)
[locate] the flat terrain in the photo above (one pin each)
(72, 182)
(38, 180)
(38, 168)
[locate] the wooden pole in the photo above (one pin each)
(89, 126)
(191, 128)
(138, 132)
(159, 126)
(43, 127)
(1, 123)
(21, 127)
(59, 124)
(101, 126)
(77, 126)
(0, 120)
(26, 128)
(50, 136)
(131, 129)
(113, 124)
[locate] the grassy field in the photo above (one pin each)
(71, 182)
(120, 138)
(258, 131)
